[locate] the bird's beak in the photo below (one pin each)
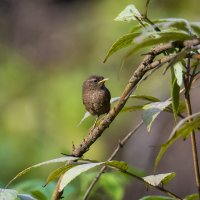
(103, 81)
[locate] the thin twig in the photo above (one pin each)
(192, 136)
(146, 65)
(119, 146)
(146, 8)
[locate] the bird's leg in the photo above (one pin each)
(95, 123)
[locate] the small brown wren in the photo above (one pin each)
(96, 97)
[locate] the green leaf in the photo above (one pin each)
(58, 172)
(145, 97)
(117, 164)
(151, 112)
(192, 197)
(129, 14)
(178, 71)
(151, 38)
(57, 160)
(196, 27)
(182, 129)
(134, 96)
(179, 23)
(38, 194)
(159, 179)
(132, 108)
(76, 171)
(156, 198)
(175, 89)
(8, 194)
(122, 42)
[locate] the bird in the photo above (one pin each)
(96, 97)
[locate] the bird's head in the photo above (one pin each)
(95, 82)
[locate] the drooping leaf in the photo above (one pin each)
(156, 198)
(151, 38)
(8, 194)
(57, 160)
(159, 179)
(76, 171)
(151, 112)
(128, 14)
(58, 172)
(25, 197)
(122, 42)
(117, 164)
(178, 71)
(175, 98)
(182, 129)
(175, 89)
(179, 23)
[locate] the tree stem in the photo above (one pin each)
(187, 83)
(194, 146)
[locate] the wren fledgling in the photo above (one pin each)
(96, 97)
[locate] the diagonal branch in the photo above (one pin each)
(146, 65)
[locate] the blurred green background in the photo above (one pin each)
(48, 48)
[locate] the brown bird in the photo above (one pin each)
(96, 97)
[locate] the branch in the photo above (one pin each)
(149, 184)
(147, 64)
(119, 146)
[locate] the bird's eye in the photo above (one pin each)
(95, 80)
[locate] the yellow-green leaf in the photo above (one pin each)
(122, 42)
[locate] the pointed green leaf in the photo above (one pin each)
(178, 71)
(182, 129)
(8, 194)
(145, 97)
(151, 39)
(57, 160)
(117, 164)
(74, 172)
(151, 112)
(58, 172)
(132, 108)
(128, 14)
(175, 90)
(134, 96)
(122, 42)
(156, 180)
(179, 23)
